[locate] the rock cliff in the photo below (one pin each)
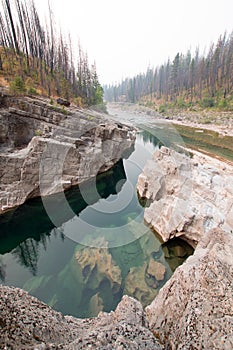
(192, 197)
(194, 310)
(26, 323)
(45, 148)
(188, 195)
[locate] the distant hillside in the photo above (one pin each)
(189, 80)
(33, 59)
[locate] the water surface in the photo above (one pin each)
(100, 252)
(102, 249)
(171, 134)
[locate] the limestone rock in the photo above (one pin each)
(27, 323)
(44, 150)
(96, 305)
(194, 310)
(189, 196)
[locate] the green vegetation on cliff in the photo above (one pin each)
(33, 59)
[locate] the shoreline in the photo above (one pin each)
(220, 129)
(222, 122)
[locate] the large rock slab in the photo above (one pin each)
(45, 149)
(188, 195)
(27, 323)
(194, 310)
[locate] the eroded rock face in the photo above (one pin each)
(44, 149)
(194, 310)
(27, 323)
(189, 196)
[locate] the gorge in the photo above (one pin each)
(51, 258)
(116, 190)
(178, 316)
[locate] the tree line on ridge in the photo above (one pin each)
(42, 58)
(187, 80)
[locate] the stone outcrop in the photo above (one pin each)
(191, 197)
(194, 310)
(26, 323)
(46, 148)
(187, 195)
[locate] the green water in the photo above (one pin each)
(99, 251)
(101, 248)
(207, 140)
(171, 135)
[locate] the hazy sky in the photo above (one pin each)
(125, 36)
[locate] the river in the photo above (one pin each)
(102, 249)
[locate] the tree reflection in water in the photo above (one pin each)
(2, 270)
(27, 253)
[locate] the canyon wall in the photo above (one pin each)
(45, 149)
(187, 194)
(194, 310)
(27, 323)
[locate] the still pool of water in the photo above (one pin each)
(101, 250)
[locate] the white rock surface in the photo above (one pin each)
(189, 195)
(71, 146)
(194, 310)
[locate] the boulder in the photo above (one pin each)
(63, 102)
(97, 265)
(156, 270)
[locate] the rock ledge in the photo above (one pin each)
(27, 323)
(45, 149)
(188, 195)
